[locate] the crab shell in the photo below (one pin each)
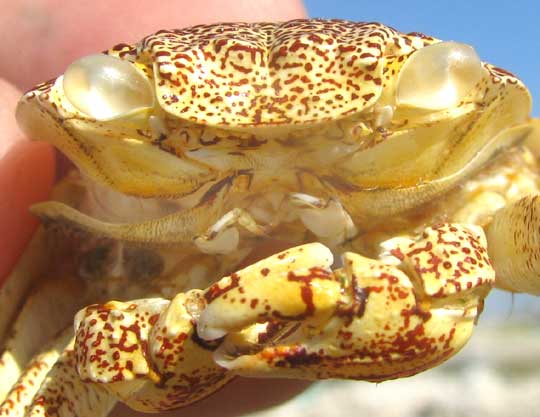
(213, 119)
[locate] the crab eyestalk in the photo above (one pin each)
(105, 87)
(439, 76)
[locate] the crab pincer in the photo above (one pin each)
(371, 319)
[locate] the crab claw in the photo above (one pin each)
(294, 285)
(370, 320)
(146, 352)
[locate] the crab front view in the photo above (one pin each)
(399, 171)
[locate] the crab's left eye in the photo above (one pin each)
(105, 87)
(439, 76)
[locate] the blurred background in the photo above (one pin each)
(498, 373)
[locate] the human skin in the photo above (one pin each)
(45, 36)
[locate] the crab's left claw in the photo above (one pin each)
(290, 315)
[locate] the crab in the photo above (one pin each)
(398, 172)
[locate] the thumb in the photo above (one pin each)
(26, 177)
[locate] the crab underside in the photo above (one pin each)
(395, 176)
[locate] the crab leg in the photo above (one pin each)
(514, 239)
(30, 265)
(176, 228)
(48, 308)
(45, 313)
(24, 391)
(220, 238)
(146, 352)
(63, 394)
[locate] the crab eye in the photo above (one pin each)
(439, 76)
(105, 87)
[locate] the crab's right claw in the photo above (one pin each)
(289, 315)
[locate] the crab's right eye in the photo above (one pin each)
(105, 87)
(439, 76)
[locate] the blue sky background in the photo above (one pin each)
(504, 33)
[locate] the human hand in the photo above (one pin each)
(46, 35)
